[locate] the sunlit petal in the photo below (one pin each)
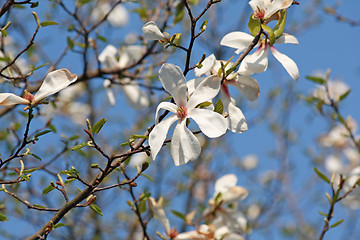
(236, 118)
(206, 90)
(8, 99)
(287, 38)
(167, 106)
(152, 32)
(287, 62)
(247, 86)
(238, 40)
(207, 65)
(210, 123)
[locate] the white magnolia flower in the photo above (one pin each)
(184, 145)
(226, 186)
(152, 32)
(336, 90)
(246, 85)
(135, 97)
(53, 83)
(265, 9)
(258, 61)
(118, 17)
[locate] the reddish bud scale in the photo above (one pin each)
(28, 96)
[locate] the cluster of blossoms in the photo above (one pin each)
(223, 219)
(193, 99)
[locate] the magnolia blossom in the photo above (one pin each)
(118, 17)
(53, 83)
(184, 145)
(265, 9)
(246, 85)
(152, 32)
(335, 90)
(258, 61)
(135, 97)
(227, 191)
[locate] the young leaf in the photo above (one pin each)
(179, 215)
(279, 28)
(318, 80)
(219, 107)
(39, 206)
(59, 225)
(97, 127)
(142, 206)
(96, 209)
(204, 25)
(79, 146)
(337, 223)
(342, 97)
(321, 175)
(70, 43)
(270, 32)
(37, 135)
(48, 189)
(3, 218)
(254, 25)
(48, 23)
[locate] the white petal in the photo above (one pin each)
(152, 32)
(8, 99)
(174, 82)
(206, 90)
(256, 62)
(207, 65)
(287, 38)
(287, 62)
(193, 84)
(236, 118)
(108, 56)
(130, 55)
(210, 123)
(234, 194)
(255, 4)
(54, 82)
(158, 135)
(247, 86)
(135, 97)
(109, 92)
(185, 146)
(238, 40)
(160, 214)
(167, 106)
(224, 183)
(119, 16)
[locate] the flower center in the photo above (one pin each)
(181, 112)
(260, 14)
(28, 96)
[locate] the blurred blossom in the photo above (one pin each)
(333, 164)
(249, 162)
(118, 17)
(253, 211)
(336, 90)
(138, 159)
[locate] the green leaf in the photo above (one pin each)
(323, 214)
(179, 215)
(3, 218)
(148, 177)
(337, 223)
(204, 25)
(254, 25)
(82, 2)
(135, 136)
(37, 135)
(321, 175)
(219, 107)
(48, 23)
(42, 65)
(218, 197)
(342, 97)
(318, 80)
(101, 38)
(25, 177)
(3, 32)
(70, 43)
(97, 127)
(142, 206)
(94, 165)
(270, 33)
(144, 196)
(179, 13)
(96, 209)
(279, 28)
(48, 189)
(30, 170)
(204, 105)
(58, 225)
(79, 146)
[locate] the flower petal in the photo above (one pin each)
(238, 40)
(247, 86)
(206, 90)
(152, 32)
(135, 97)
(210, 123)
(167, 106)
(185, 146)
(174, 82)
(130, 55)
(107, 56)
(256, 62)
(207, 65)
(109, 92)
(287, 38)
(160, 214)
(287, 62)
(8, 99)
(236, 118)
(54, 82)
(193, 84)
(158, 135)
(119, 16)
(224, 183)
